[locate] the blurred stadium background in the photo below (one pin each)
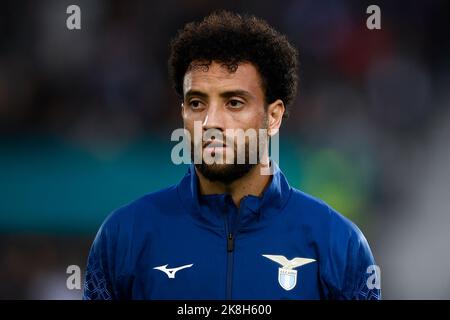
(86, 118)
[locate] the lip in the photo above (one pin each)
(214, 144)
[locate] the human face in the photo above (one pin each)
(223, 100)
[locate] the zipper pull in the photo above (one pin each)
(230, 242)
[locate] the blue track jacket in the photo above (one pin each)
(178, 244)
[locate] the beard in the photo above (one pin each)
(227, 173)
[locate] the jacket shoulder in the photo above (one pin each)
(318, 213)
(146, 206)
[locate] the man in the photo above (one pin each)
(228, 230)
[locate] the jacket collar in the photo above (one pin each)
(254, 211)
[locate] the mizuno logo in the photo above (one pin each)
(287, 276)
(171, 272)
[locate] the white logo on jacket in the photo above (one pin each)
(287, 276)
(170, 272)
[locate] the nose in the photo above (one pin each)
(214, 118)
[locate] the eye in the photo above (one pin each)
(195, 104)
(235, 104)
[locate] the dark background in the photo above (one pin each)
(86, 117)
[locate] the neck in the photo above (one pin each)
(253, 183)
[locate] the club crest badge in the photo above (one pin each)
(287, 276)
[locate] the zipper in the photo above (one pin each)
(230, 256)
(230, 243)
(230, 252)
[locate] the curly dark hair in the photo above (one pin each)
(230, 39)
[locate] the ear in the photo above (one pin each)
(182, 110)
(275, 112)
